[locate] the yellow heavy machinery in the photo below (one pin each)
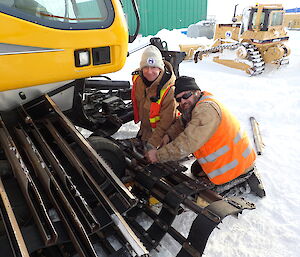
(59, 196)
(249, 45)
(54, 199)
(46, 43)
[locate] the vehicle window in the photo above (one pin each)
(65, 11)
(71, 12)
(276, 18)
(262, 19)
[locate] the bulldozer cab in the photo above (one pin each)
(264, 27)
(260, 18)
(265, 17)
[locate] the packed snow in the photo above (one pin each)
(273, 98)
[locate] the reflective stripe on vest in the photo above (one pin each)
(228, 153)
(154, 116)
(212, 157)
(223, 169)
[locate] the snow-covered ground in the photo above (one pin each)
(273, 98)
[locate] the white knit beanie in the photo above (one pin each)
(152, 57)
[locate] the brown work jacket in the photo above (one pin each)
(167, 111)
(187, 139)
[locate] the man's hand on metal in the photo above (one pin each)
(151, 156)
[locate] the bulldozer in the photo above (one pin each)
(62, 194)
(258, 39)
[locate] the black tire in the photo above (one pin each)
(111, 153)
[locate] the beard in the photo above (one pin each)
(187, 115)
(186, 111)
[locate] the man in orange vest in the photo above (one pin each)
(153, 97)
(209, 131)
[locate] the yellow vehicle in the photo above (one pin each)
(54, 187)
(60, 41)
(259, 39)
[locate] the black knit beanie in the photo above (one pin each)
(185, 83)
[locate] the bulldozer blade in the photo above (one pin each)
(232, 64)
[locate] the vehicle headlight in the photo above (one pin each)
(82, 57)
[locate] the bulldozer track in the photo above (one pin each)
(254, 56)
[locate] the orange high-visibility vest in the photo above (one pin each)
(228, 153)
(154, 116)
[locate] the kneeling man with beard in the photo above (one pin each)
(209, 131)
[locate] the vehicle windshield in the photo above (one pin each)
(261, 20)
(269, 17)
(63, 11)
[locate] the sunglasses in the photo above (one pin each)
(185, 96)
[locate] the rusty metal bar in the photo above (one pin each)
(77, 233)
(28, 187)
(110, 208)
(83, 207)
(90, 151)
(12, 228)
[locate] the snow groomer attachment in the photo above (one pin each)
(175, 193)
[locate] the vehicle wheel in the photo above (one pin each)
(111, 153)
